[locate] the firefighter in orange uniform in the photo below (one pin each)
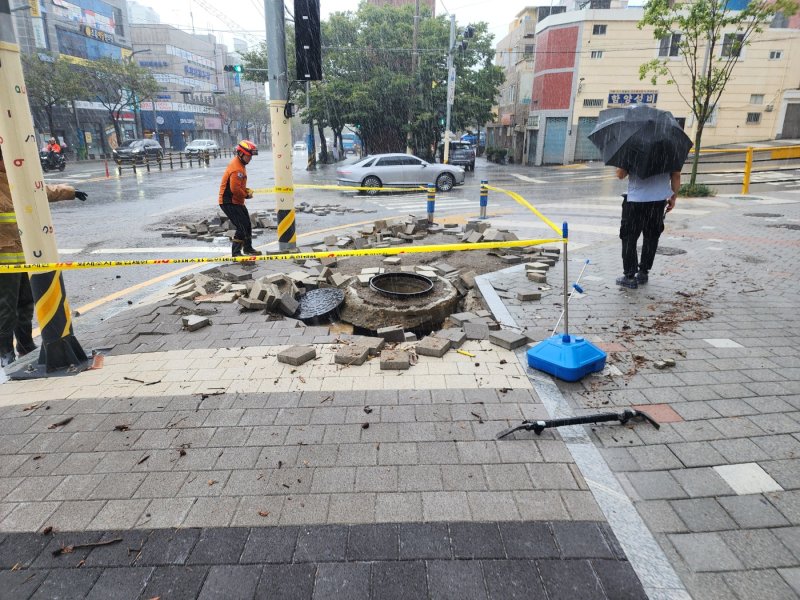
(233, 191)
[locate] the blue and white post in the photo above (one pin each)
(484, 197)
(431, 202)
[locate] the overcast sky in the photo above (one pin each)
(250, 13)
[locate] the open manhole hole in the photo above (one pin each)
(763, 215)
(401, 285)
(792, 226)
(319, 303)
(667, 251)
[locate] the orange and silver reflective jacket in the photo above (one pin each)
(233, 189)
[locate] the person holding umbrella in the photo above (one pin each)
(643, 212)
(649, 147)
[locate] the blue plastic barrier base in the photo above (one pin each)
(567, 357)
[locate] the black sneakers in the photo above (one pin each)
(628, 282)
(641, 277)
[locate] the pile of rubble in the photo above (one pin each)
(220, 226)
(476, 231)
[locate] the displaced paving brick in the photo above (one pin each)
(195, 322)
(468, 279)
(351, 355)
(288, 305)
(511, 259)
(410, 337)
(394, 360)
(392, 260)
(433, 346)
(476, 331)
(529, 295)
(507, 339)
(251, 304)
(536, 266)
(373, 344)
(297, 355)
(392, 333)
(537, 277)
(463, 317)
(444, 268)
(455, 336)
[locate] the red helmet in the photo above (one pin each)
(247, 147)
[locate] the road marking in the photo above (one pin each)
(526, 178)
(70, 251)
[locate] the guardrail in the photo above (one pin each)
(750, 159)
(175, 160)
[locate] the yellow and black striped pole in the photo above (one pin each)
(60, 349)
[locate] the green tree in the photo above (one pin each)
(51, 81)
(119, 85)
(709, 39)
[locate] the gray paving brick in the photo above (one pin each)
(528, 540)
(703, 514)
(660, 517)
(739, 450)
(420, 478)
(121, 583)
(618, 579)
(456, 580)
(405, 580)
(758, 548)
(21, 583)
(697, 454)
(376, 479)
(580, 540)
(218, 546)
(398, 507)
(168, 547)
(656, 485)
(77, 585)
(342, 581)
(752, 511)
(231, 581)
(321, 543)
(574, 579)
(373, 542)
(705, 552)
(287, 581)
(269, 545)
(540, 505)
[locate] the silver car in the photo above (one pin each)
(203, 146)
(399, 170)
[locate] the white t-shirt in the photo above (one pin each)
(653, 189)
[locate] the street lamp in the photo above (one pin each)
(136, 111)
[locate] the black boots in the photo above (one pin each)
(24, 335)
(236, 248)
(248, 248)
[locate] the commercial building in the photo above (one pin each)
(189, 69)
(588, 60)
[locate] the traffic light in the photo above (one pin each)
(307, 40)
(441, 121)
(234, 69)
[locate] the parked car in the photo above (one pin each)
(461, 153)
(197, 147)
(299, 147)
(136, 150)
(399, 170)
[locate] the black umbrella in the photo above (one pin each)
(642, 140)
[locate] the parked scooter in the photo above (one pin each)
(60, 161)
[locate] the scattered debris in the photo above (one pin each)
(72, 547)
(61, 423)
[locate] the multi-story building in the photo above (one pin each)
(431, 4)
(588, 60)
(187, 68)
(78, 30)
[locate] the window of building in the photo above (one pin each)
(756, 98)
(670, 45)
(119, 29)
(732, 44)
(775, 54)
(597, 54)
(593, 103)
(546, 11)
(528, 52)
(754, 117)
(780, 21)
(599, 29)
(599, 4)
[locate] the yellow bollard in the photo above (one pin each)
(748, 169)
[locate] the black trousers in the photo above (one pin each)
(16, 311)
(640, 219)
(240, 218)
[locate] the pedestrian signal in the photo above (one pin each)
(234, 68)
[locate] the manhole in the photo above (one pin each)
(792, 226)
(316, 304)
(401, 285)
(763, 215)
(667, 251)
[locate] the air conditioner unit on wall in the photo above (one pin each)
(768, 108)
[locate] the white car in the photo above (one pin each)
(299, 147)
(399, 170)
(203, 146)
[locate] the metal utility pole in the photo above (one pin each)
(414, 60)
(310, 149)
(281, 128)
(451, 87)
(60, 348)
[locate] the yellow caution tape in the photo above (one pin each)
(520, 200)
(72, 266)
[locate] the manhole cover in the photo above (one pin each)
(666, 251)
(792, 226)
(401, 285)
(763, 215)
(318, 303)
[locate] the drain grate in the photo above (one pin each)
(667, 251)
(318, 303)
(763, 215)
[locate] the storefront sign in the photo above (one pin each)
(626, 98)
(96, 34)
